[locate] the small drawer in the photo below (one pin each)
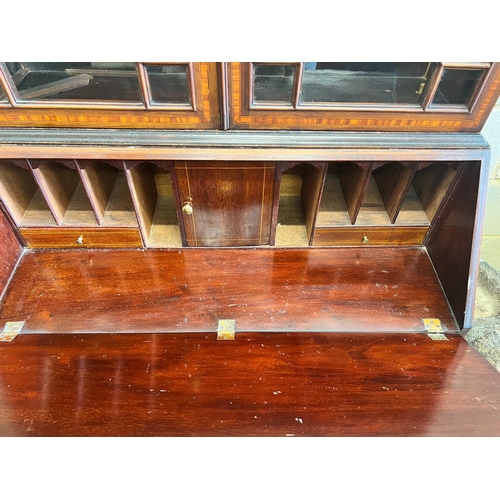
(82, 237)
(369, 235)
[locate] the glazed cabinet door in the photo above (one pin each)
(226, 203)
(373, 96)
(178, 95)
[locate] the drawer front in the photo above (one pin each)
(82, 238)
(336, 236)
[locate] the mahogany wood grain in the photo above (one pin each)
(395, 235)
(449, 242)
(312, 190)
(276, 384)
(10, 250)
(393, 181)
(84, 237)
(232, 202)
(189, 290)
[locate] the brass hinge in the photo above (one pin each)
(434, 329)
(226, 329)
(11, 330)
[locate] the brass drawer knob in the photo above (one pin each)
(365, 239)
(79, 240)
(187, 209)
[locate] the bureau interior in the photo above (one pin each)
(341, 196)
(338, 242)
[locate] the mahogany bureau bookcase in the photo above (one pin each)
(283, 197)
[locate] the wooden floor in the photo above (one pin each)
(189, 290)
(273, 384)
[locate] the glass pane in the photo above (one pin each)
(373, 82)
(273, 83)
(457, 86)
(3, 95)
(80, 81)
(169, 83)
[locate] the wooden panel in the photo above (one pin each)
(17, 188)
(57, 183)
(102, 115)
(38, 213)
(312, 189)
(99, 179)
(372, 210)
(10, 251)
(353, 181)
(332, 209)
(412, 212)
(141, 181)
(376, 236)
(288, 214)
(165, 231)
(188, 290)
(450, 242)
(432, 185)
(393, 181)
(232, 202)
(258, 385)
(91, 238)
(79, 212)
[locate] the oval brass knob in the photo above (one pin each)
(365, 239)
(187, 209)
(79, 240)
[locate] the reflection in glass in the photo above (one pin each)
(3, 95)
(457, 86)
(103, 81)
(169, 83)
(364, 82)
(273, 83)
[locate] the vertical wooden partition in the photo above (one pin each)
(393, 181)
(433, 182)
(454, 240)
(63, 191)
(17, 188)
(10, 250)
(154, 193)
(353, 178)
(297, 194)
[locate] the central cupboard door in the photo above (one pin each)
(226, 203)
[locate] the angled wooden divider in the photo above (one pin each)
(64, 192)
(21, 195)
(393, 182)
(312, 190)
(433, 182)
(298, 192)
(152, 189)
(354, 178)
(108, 192)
